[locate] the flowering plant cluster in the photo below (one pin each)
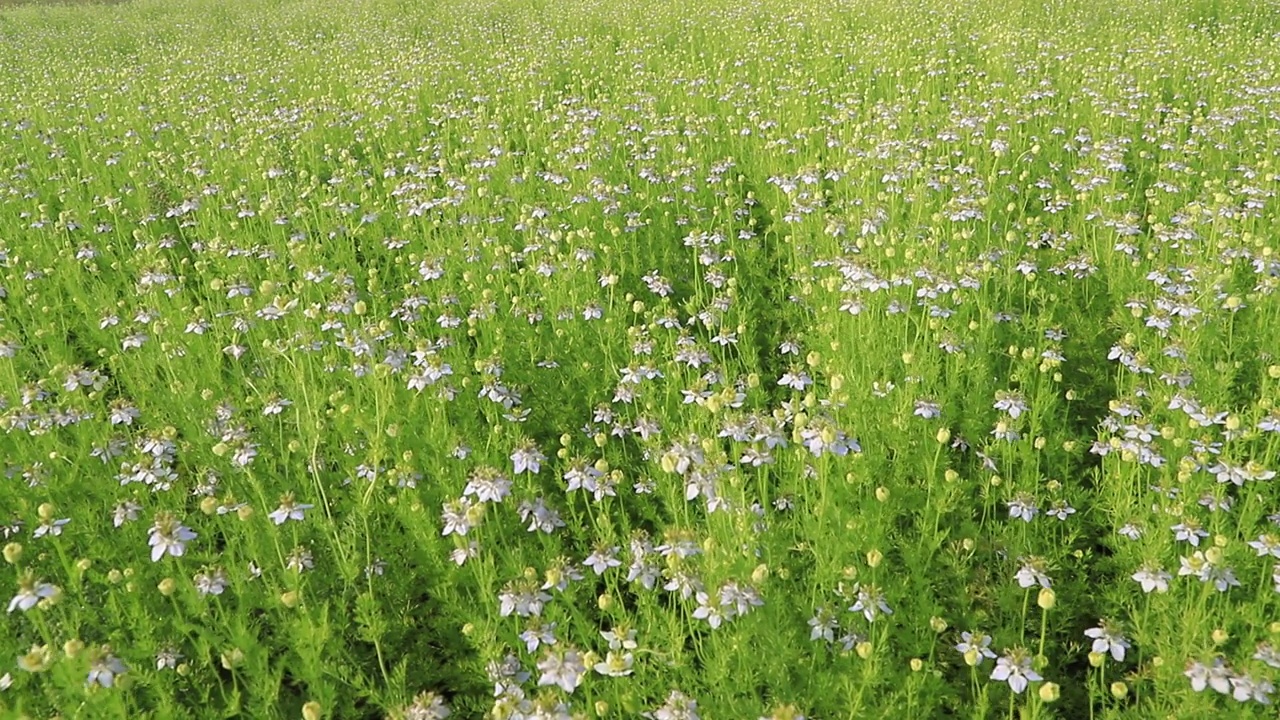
(776, 360)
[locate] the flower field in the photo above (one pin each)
(594, 359)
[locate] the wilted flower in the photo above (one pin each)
(38, 659)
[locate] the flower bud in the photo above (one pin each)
(1049, 692)
(864, 649)
(601, 708)
(938, 624)
(760, 574)
(312, 711)
(917, 664)
(1046, 599)
(167, 586)
(13, 553)
(290, 598)
(605, 602)
(232, 659)
(1119, 690)
(874, 557)
(72, 647)
(1096, 659)
(882, 493)
(944, 436)
(972, 657)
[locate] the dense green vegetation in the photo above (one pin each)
(598, 359)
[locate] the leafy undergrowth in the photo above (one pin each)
(777, 360)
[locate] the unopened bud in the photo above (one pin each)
(1049, 692)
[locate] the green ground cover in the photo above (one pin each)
(593, 359)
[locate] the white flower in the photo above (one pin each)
(1217, 677)
(50, 527)
(427, 706)
(563, 668)
(1011, 402)
(615, 664)
(1152, 579)
(979, 643)
(30, 592)
(678, 707)
(125, 512)
(870, 603)
(1107, 638)
(289, 510)
(1266, 544)
(707, 611)
(167, 658)
(456, 517)
(461, 555)
(1014, 667)
(1245, 687)
(211, 582)
(487, 484)
(104, 670)
(527, 458)
(603, 559)
(169, 536)
(1023, 507)
(1032, 573)
(620, 638)
(824, 625)
(538, 635)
